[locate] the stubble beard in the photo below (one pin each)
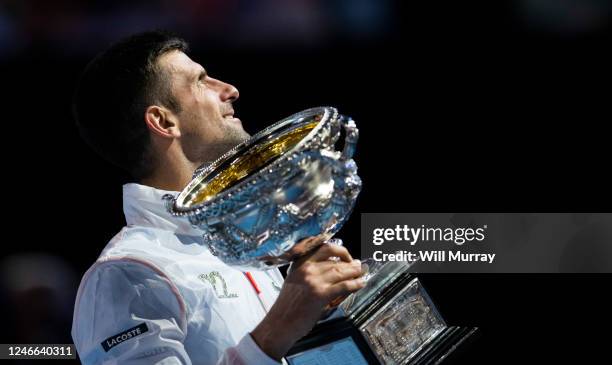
(233, 137)
(209, 152)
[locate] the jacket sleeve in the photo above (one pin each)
(129, 312)
(246, 353)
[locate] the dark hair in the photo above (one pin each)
(113, 93)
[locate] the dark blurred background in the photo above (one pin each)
(493, 106)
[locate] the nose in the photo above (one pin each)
(227, 92)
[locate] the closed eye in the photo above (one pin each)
(202, 76)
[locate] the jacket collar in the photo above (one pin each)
(143, 206)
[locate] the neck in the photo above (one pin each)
(170, 183)
(173, 173)
(168, 179)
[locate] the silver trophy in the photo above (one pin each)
(283, 192)
(285, 185)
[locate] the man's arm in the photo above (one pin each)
(312, 284)
(130, 313)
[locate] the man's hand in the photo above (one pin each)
(314, 281)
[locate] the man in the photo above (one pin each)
(156, 295)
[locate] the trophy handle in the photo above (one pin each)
(350, 138)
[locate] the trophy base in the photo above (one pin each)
(347, 346)
(394, 323)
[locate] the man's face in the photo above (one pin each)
(206, 120)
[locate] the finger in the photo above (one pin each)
(342, 271)
(325, 251)
(328, 264)
(345, 287)
(335, 241)
(307, 246)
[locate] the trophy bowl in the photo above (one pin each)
(278, 194)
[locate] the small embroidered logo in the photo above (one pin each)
(214, 278)
(115, 340)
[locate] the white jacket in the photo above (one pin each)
(156, 295)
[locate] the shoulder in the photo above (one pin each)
(118, 288)
(115, 292)
(118, 296)
(134, 239)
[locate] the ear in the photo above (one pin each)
(162, 122)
